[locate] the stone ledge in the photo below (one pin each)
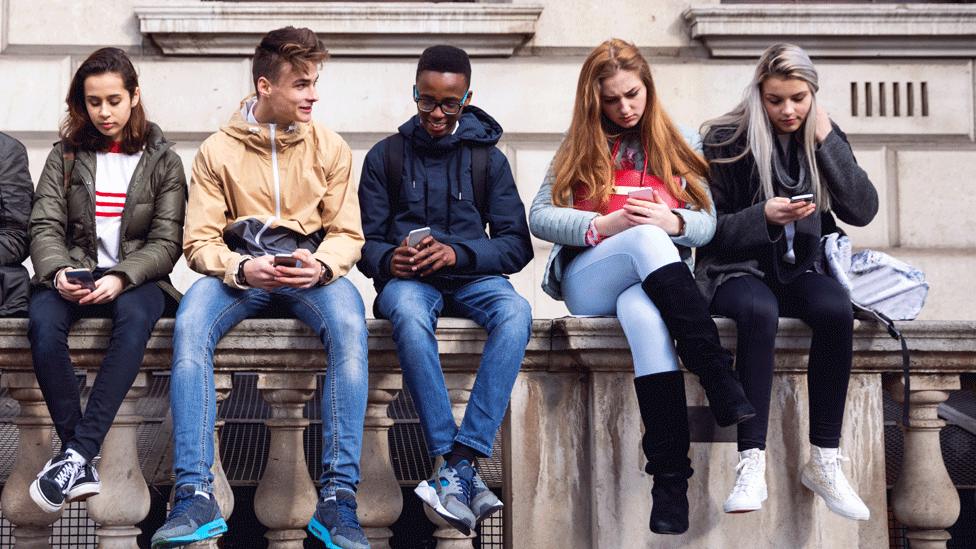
(348, 29)
(570, 343)
(836, 30)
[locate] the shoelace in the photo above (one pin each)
(68, 471)
(347, 513)
(181, 507)
(743, 471)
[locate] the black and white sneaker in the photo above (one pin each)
(54, 481)
(86, 485)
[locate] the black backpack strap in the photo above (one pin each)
(479, 180)
(906, 359)
(393, 166)
(68, 163)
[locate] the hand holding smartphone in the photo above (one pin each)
(416, 236)
(82, 277)
(287, 260)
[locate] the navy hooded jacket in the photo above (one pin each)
(436, 190)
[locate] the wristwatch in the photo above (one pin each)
(239, 277)
(326, 275)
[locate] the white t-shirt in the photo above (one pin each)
(113, 172)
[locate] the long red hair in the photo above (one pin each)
(583, 160)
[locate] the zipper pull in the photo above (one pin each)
(415, 184)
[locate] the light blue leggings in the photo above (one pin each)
(606, 280)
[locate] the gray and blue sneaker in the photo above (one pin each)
(194, 517)
(336, 524)
(484, 502)
(448, 494)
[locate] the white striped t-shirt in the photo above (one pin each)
(113, 172)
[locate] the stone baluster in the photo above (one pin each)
(124, 499)
(924, 498)
(32, 526)
(459, 389)
(285, 498)
(379, 498)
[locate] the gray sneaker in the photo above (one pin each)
(448, 494)
(484, 502)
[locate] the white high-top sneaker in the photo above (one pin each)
(749, 491)
(824, 476)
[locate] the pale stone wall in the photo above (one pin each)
(921, 165)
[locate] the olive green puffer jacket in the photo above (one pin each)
(62, 222)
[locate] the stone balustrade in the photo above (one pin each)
(573, 465)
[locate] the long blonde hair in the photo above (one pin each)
(583, 159)
(750, 117)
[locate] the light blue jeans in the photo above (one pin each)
(208, 311)
(605, 280)
(413, 307)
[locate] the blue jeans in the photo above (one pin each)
(413, 307)
(606, 280)
(208, 311)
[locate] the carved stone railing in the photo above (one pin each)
(573, 466)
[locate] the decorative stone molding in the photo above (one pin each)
(837, 30)
(349, 28)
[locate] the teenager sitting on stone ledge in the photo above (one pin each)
(429, 178)
(630, 256)
(16, 193)
(105, 233)
(273, 222)
(779, 167)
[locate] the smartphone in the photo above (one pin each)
(801, 198)
(81, 276)
(642, 194)
(417, 235)
(286, 260)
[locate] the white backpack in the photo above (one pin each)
(875, 281)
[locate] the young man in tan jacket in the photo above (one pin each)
(273, 222)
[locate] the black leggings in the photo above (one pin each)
(755, 305)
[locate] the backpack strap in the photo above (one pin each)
(393, 166)
(479, 180)
(906, 360)
(68, 163)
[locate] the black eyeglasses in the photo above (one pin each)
(448, 106)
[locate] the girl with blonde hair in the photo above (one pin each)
(780, 169)
(624, 201)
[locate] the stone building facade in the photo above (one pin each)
(898, 78)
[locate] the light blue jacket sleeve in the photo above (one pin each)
(699, 224)
(560, 225)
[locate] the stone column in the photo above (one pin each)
(924, 498)
(124, 499)
(285, 498)
(379, 498)
(32, 526)
(459, 388)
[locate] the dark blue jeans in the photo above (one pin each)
(134, 314)
(413, 307)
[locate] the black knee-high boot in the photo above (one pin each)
(664, 411)
(675, 294)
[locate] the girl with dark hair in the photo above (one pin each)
(624, 201)
(779, 169)
(106, 230)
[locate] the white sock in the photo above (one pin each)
(201, 493)
(75, 456)
(827, 453)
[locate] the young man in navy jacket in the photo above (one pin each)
(456, 270)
